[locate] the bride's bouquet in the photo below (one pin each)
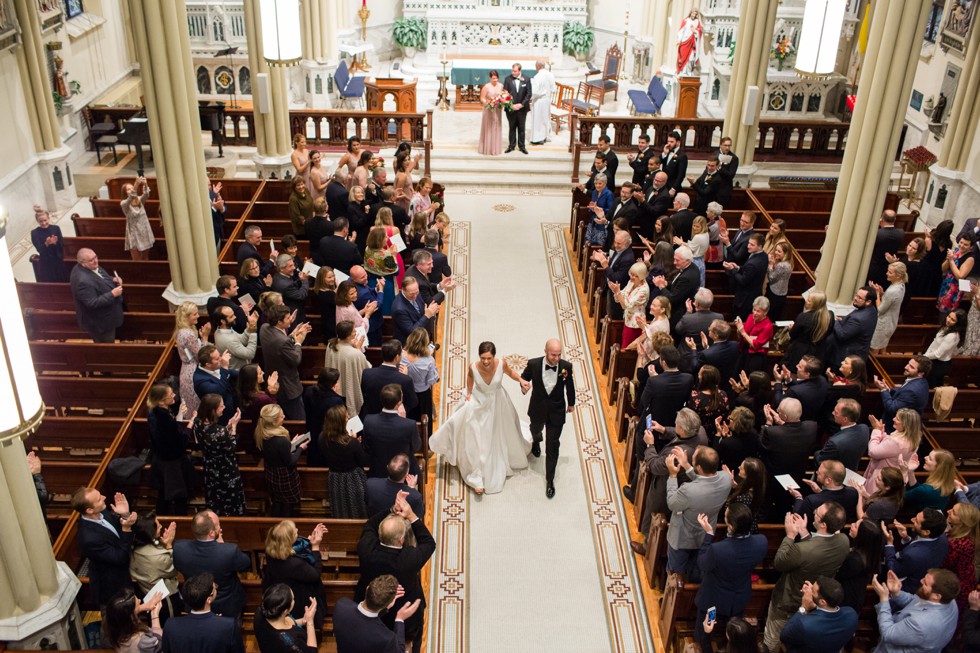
(504, 100)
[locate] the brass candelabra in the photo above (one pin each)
(364, 13)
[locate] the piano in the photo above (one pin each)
(213, 120)
(136, 132)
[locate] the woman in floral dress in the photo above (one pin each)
(959, 264)
(139, 234)
(189, 340)
(223, 488)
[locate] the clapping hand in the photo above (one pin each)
(412, 480)
(614, 287)
(225, 358)
(407, 610)
(235, 419)
(880, 590)
(974, 600)
(704, 340)
(120, 504)
(309, 613)
(891, 258)
(317, 535)
(169, 535)
(205, 331)
(706, 524)
(812, 485)
(33, 463)
(690, 343)
(880, 384)
(857, 485)
(876, 424)
(689, 305)
(900, 529)
(889, 537)
(673, 466)
(681, 454)
(721, 427)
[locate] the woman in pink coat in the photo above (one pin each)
(885, 450)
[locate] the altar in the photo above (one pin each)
(524, 29)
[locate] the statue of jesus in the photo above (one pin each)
(689, 45)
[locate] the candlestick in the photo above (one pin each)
(364, 13)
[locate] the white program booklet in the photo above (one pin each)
(354, 425)
(159, 588)
(964, 285)
(850, 474)
(787, 482)
(303, 438)
(340, 276)
(396, 240)
(246, 300)
(783, 323)
(311, 269)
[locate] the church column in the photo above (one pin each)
(59, 188)
(756, 21)
(889, 69)
(272, 137)
(170, 94)
(656, 25)
(319, 50)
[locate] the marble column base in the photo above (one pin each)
(317, 83)
(175, 298)
(948, 194)
(274, 167)
(57, 179)
(57, 624)
(745, 174)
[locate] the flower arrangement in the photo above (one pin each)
(438, 196)
(377, 162)
(504, 100)
(781, 51)
(920, 157)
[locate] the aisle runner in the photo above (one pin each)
(601, 575)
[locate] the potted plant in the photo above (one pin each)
(409, 34)
(577, 39)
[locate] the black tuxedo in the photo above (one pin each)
(889, 240)
(727, 172)
(222, 559)
(440, 266)
(618, 271)
(748, 281)
(385, 436)
(785, 449)
(339, 253)
(681, 288)
(641, 164)
(360, 223)
(375, 378)
(675, 165)
(657, 203)
(811, 393)
(683, 222)
(547, 410)
(317, 228)
(738, 248)
(404, 563)
(202, 633)
(612, 165)
(709, 188)
(108, 555)
(517, 119)
(621, 209)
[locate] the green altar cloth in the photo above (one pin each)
(478, 76)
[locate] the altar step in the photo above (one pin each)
(545, 167)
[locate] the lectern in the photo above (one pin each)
(402, 91)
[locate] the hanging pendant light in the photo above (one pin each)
(820, 37)
(282, 41)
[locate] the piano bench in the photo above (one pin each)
(106, 142)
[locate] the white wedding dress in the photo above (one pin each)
(484, 438)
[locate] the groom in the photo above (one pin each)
(519, 88)
(553, 386)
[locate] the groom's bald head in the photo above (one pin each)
(552, 351)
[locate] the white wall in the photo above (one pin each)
(97, 59)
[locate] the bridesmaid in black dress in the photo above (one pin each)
(223, 487)
(49, 244)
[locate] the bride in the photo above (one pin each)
(484, 438)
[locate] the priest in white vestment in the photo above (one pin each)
(542, 86)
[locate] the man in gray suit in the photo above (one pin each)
(98, 297)
(698, 318)
(282, 353)
(704, 493)
(813, 555)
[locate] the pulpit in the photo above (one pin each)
(378, 90)
(687, 98)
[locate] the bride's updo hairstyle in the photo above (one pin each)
(494, 73)
(487, 348)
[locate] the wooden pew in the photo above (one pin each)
(63, 325)
(75, 432)
(110, 247)
(57, 297)
(112, 395)
(90, 358)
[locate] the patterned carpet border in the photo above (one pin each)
(448, 589)
(626, 615)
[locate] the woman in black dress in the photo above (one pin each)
(277, 631)
(50, 247)
(754, 392)
(346, 459)
(415, 238)
(223, 487)
(915, 267)
(325, 289)
(255, 392)
(296, 562)
(862, 562)
(808, 334)
(737, 437)
(317, 399)
(938, 240)
(170, 468)
(280, 455)
(750, 488)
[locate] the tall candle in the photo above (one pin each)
(364, 3)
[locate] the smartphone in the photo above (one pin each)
(712, 614)
(649, 422)
(432, 348)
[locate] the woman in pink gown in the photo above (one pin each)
(491, 136)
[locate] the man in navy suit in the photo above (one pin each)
(810, 386)
(736, 247)
(212, 376)
(617, 267)
(440, 262)
(852, 333)
(721, 352)
(786, 444)
(201, 631)
(409, 313)
(919, 555)
(374, 380)
(250, 249)
(850, 443)
(336, 250)
(726, 568)
(913, 393)
(829, 486)
(749, 277)
(888, 242)
(366, 292)
(683, 286)
(105, 537)
(98, 297)
(822, 624)
(208, 552)
(380, 493)
(387, 434)
(357, 627)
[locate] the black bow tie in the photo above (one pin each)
(553, 368)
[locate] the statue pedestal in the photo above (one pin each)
(56, 625)
(59, 186)
(273, 167)
(317, 82)
(688, 96)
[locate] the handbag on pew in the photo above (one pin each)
(780, 340)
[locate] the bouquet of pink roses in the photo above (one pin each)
(504, 100)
